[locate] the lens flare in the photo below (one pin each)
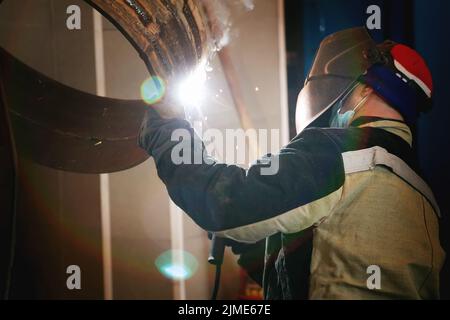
(153, 90)
(175, 272)
(177, 264)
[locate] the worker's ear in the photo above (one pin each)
(366, 90)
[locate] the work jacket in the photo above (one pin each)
(373, 220)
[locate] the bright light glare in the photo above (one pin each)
(176, 264)
(192, 89)
(176, 272)
(153, 90)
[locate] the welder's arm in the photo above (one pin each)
(246, 205)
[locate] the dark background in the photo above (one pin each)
(422, 24)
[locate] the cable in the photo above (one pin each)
(216, 258)
(216, 282)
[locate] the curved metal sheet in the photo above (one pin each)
(170, 35)
(67, 129)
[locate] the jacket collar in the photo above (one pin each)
(396, 127)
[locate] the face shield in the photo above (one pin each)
(341, 59)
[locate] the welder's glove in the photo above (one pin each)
(156, 131)
(160, 120)
(170, 106)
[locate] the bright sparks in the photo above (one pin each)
(192, 89)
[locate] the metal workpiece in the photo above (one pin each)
(67, 129)
(170, 35)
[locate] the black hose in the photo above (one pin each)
(216, 258)
(216, 282)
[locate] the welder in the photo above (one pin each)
(353, 182)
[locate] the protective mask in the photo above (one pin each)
(343, 120)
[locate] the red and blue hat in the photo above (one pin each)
(403, 80)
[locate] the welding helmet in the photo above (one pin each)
(341, 60)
